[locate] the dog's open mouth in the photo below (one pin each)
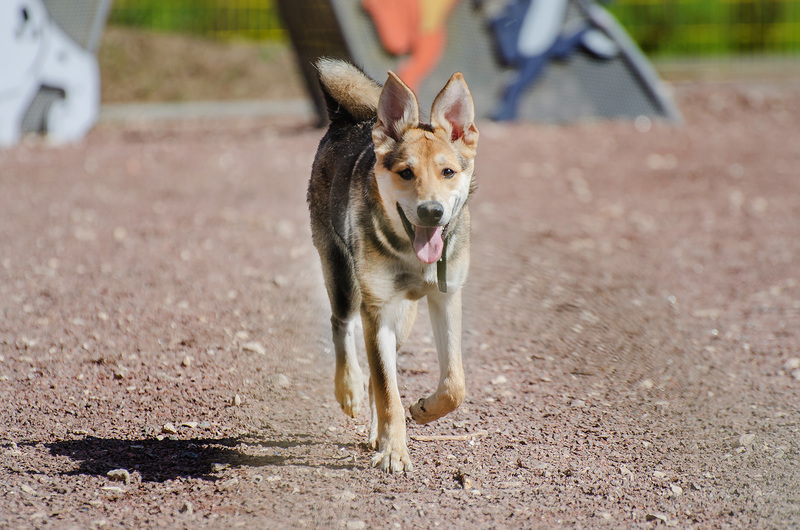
(428, 241)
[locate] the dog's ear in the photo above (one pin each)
(397, 112)
(454, 112)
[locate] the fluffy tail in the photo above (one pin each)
(350, 94)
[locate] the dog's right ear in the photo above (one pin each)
(397, 112)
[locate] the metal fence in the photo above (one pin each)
(661, 27)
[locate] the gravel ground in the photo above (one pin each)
(631, 331)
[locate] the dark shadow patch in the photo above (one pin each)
(161, 460)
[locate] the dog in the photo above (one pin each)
(388, 200)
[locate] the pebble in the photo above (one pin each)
(280, 381)
(659, 474)
(500, 380)
(676, 490)
(255, 347)
(345, 496)
(229, 484)
(187, 508)
(119, 475)
(656, 517)
(747, 439)
(237, 400)
(187, 361)
(169, 428)
(356, 525)
(217, 467)
(27, 489)
(792, 364)
(190, 424)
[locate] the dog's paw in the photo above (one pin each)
(420, 413)
(393, 461)
(434, 407)
(349, 390)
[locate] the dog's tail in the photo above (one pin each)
(349, 93)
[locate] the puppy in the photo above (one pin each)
(388, 198)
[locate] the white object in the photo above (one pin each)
(34, 53)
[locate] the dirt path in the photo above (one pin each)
(632, 343)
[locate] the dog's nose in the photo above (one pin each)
(430, 213)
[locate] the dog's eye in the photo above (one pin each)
(406, 174)
(447, 172)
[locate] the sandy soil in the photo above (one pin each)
(632, 345)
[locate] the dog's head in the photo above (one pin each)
(424, 172)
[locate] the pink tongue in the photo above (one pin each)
(428, 243)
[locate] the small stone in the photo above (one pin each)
(792, 364)
(604, 515)
(280, 381)
(656, 517)
(169, 428)
(345, 496)
(356, 525)
(280, 281)
(796, 374)
(187, 361)
(190, 424)
(463, 477)
(217, 467)
(27, 489)
(228, 484)
(237, 400)
(659, 474)
(578, 404)
(255, 347)
(747, 439)
(624, 470)
(500, 380)
(119, 475)
(676, 490)
(187, 508)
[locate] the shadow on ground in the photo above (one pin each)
(204, 458)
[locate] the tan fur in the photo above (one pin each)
(377, 174)
(350, 87)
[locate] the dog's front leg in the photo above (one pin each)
(381, 341)
(445, 311)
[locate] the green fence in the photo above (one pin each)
(661, 27)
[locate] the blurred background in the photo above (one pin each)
(166, 50)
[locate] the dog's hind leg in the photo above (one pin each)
(445, 310)
(345, 301)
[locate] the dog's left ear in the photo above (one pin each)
(454, 111)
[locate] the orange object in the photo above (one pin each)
(415, 28)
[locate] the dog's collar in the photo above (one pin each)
(441, 265)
